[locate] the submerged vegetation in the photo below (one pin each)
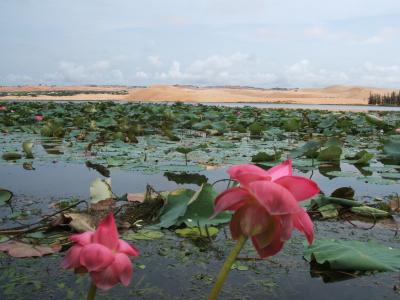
(184, 143)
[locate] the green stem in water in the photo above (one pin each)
(223, 273)
(92, 292)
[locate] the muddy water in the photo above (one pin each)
(176, 268)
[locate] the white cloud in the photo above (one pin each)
(239, 70)
(101, 65)
(142, 75)
(315, 31)
(384, 35)
(235, 69)
(324, 33)
(175, 71)
(304, 73)
(13, 79)
(219, 62)
(378, 75)
(100, 72)
(155, 60)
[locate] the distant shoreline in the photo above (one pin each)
(334, 95)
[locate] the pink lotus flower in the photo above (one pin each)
(266, 205)
(39, 118)
(2, 107)
(397, 130)
(102, 254)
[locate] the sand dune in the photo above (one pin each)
(328, 95)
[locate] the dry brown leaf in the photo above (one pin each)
(394, 203)
(19, 249)
(80, 222)
(103, 205)
(136, 197)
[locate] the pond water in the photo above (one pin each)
(177, 268)
(330, 107)
(334, 107)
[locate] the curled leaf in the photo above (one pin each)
(27, 147)
(19, 249)
(100, 189)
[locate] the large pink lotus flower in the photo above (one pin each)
(266, 205)
(102, 254)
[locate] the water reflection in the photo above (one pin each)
(328, 275)
(57, 180)
(186, 178)
(309, 106)
(324, 169)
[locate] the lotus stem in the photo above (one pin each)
(92, 292)
(223, 273)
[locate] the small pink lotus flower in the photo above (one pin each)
(397, 130)
(266, 205)
(2, 107)
(39, 118)
(102, 254)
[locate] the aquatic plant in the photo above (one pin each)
(266, 210)
(39, 118)
(103, 255)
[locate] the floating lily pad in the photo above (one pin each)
(239, 267)
(391, 175)
(182, 178)
(343, 174)
(11, 156)
(144, 234)
(184, 150)
(381, 169)
(376, 180)
(263, 157)
(5, 196)
(353, 255)
(362, 158)
(345, 192)
(193, 232)
(391, 147)
(182, 168)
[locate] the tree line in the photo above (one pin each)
(392, 99)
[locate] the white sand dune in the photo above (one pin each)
(328, 95)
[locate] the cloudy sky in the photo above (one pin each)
(265, 43)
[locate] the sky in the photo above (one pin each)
(261, 43)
